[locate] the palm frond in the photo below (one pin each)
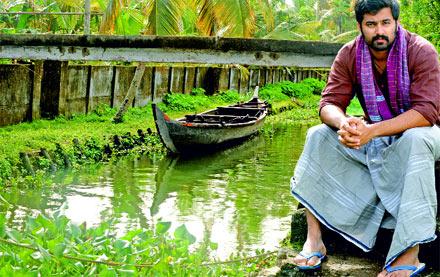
(111, 13)
(238, 16)
(207, 19)
(164, 17)
(268, 14)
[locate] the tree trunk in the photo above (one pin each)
(140, 69)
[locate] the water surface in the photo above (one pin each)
(237, 197)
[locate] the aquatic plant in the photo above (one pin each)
(51, 245)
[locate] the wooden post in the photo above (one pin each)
(87, 17)
(44, 154)
(27, 163)
(36, 90)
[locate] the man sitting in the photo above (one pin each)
(357, 175)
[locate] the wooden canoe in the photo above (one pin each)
(212, 129)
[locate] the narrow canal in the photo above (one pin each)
(238, 197)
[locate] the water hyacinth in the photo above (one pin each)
(54, 245)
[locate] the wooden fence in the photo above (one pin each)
(44, 83)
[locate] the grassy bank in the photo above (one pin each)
(94, 138)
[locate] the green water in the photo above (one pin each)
(238, 197)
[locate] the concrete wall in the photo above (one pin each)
(51, 88)
(16, 83)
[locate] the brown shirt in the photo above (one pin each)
(424, 73)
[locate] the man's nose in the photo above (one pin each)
(380, 29)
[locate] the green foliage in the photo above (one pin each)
(287, 89)
(93, 150)
(93, 131)
(52, 245)
(303, 20)
(184, 102)
(5, 169)
(297, 90)
(355, 108)
(198, 91)
(103, 110)
(229, 96)
(197, 100)
(272, 93)
(315, 84)
(422, 17)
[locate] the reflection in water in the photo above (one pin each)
(238, 197)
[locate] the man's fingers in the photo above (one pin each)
(346, 136)
(349, 141)
(351, 129)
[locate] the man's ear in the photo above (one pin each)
(358, 26)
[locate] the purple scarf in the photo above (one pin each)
(397, 75)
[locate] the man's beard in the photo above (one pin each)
(381, 47)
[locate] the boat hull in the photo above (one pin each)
(186, 136)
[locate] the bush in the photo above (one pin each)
(5, 169)
(104, 110)
(315, 84)
(229, 96)
(184, 102)
(272, 93)
(297, 90)
(198, 91)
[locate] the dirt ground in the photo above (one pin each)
(335, 265)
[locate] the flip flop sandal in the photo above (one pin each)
(308, 256)
(416, 270)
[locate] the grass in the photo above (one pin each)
(355, 108)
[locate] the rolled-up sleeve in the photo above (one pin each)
(425, 85)
(339, 88)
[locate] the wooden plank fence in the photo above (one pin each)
(27, 94)
(45, 83)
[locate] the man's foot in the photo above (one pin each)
(410, 257)
(308, 248)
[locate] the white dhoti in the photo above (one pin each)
(350, 190)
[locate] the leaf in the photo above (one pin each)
(164, 17)
(2, 225)
(181, 233)
(121, 244)
(108, 272)
(213, 245)
(162, 227)
(44, 253)
(14, 235)
(126, 272)
(56, 248)
(44, 221)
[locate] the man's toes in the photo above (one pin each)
(313, 261)
(299, 261)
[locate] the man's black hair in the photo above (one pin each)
(374, 6)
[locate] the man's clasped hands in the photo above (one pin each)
(355, 132)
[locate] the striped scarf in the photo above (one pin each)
(397, 76)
